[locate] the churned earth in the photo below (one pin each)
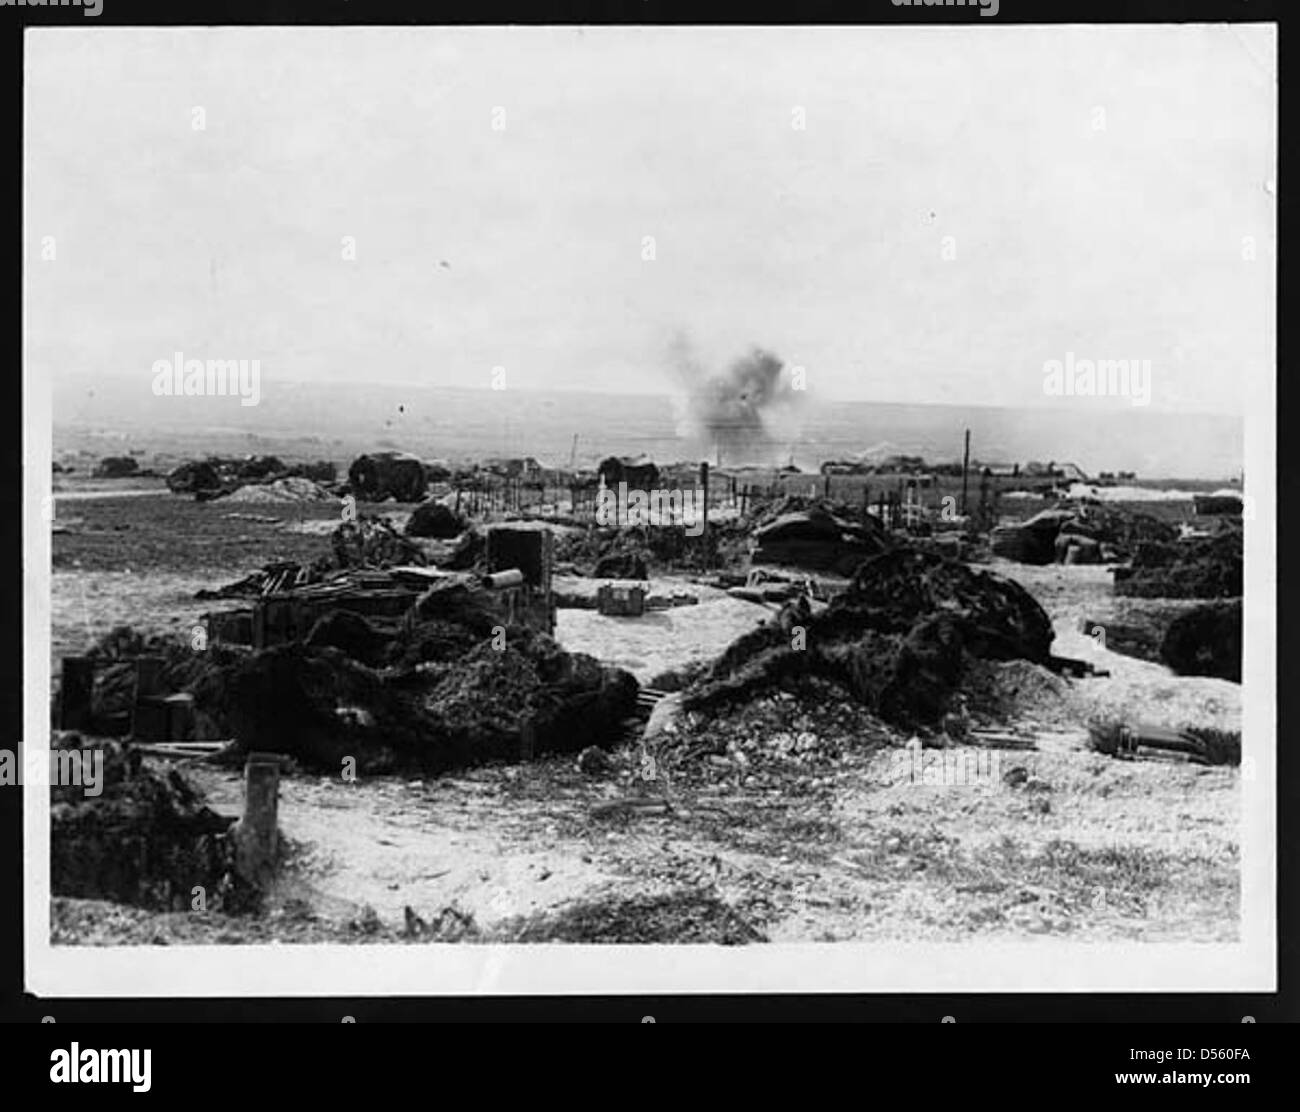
(796, 817)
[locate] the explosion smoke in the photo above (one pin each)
(742, 414)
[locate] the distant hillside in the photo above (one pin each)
(339, 420)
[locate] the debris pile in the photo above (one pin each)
(640, 472)
(465, 703)
(383, 475)
(819, 540)
(1033, 541)
(398, 665)
(147, 839)
(630, 552)
(220, 476)
(1079, 534)
(469, 552)
(1206, 641)
(804, 721)
(279, 575)
(433, 519)
(371, 542)
(282, 490)
(898, 639)
(1220, 504)
(1209, 567)
(621, 565)
(116, 467)
(114, 692)
(193, 477)
(1002, 691)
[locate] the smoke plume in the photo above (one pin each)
(743, 414)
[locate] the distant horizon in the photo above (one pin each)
(1099, 404)
(463, 422)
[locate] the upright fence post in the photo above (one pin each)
(257, 834)
(76, 693)
(704, 533)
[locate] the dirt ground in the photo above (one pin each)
(779, 840)
(659, 640)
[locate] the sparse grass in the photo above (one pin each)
(172, 532)
(1221, 746)
(680, 916)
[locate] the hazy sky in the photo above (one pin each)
(1098, 184)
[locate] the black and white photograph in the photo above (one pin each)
(623, 509)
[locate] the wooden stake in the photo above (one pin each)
(257, 833)
(76, 693)
(965, 466)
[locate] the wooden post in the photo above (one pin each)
(76, 693)
(704, 534)
(826, 487)
(148, 676)
(965, 466)
(257, 834)
(527, 740)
